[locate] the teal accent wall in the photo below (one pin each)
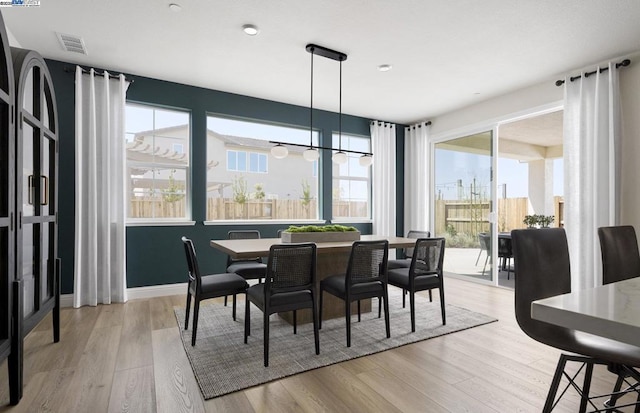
(155, 254)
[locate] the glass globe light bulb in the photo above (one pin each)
(311, 155)
(279, 151)
(365, 160)
(339, 157)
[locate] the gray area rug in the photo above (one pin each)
(222, 363)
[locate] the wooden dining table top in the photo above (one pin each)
(249, 248)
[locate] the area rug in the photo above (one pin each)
(222, 363)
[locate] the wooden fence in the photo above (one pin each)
(227, 209)
(471, 218)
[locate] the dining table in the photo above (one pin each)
(332, 258)
(611, 311)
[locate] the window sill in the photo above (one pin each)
(160, 223)
(264, 222)
(352, 221)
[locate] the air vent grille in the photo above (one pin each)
(72, 43)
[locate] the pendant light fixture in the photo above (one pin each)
(312, 152)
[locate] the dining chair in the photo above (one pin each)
(541, 260)
(247, 268)
(290, 285)
(366, 277)
(424, 273)
(620, 261)
(485, 245)
(203, 287)
(505, 252)
(406, 253)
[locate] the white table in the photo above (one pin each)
(611, 311)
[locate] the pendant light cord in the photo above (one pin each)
(340, 115)
(311, 107)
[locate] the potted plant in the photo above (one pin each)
(538, 221)
(320, 233)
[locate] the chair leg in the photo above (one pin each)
(585, 387)
(247, 320)
(266, 339)
(386, 313)
(295, 322)
(379, 307)
(404, 295)
(412, 307)
(479, 253)
(186, 317)
(320, 312)
(316, 333)
(233, 312)
(347, 314)
(225, 300)
(614, 397)
(444, 317)
(548, 405)
(358, 311)
(196, 311)
(485, 264)
(430, 297)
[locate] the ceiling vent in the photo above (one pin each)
(72, 43)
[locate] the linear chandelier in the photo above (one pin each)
(311, 154)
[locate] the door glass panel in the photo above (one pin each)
(463, 202)
(46, 269)
(4, 282)
(45, 182)
(28, 267)
(27, 96)
(28, 174)
(4, 160)
(47, 107)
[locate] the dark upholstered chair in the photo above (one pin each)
(290, 285)
(505, 253)
(620, 261)
(405, 260)
(247, 268)
(203, 287)
(482, 246)
(620, 257)
(366, 277)
(424, 273)
(541, 259)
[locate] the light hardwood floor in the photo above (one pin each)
(129, 358)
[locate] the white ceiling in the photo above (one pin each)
(445, 54)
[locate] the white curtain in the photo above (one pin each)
(383, 146)
(416, 178)
(592, 128)
(100, 259)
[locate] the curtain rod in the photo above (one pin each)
(86, 71)
(625, 62)
(419, 125)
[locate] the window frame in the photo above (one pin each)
(339, 177)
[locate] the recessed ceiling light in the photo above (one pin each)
(175, 7)
(384, 68)
(250, 29)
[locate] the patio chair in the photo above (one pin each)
(290, 285)
(424, 273)
(203, 287)
(366, 277)
(485, 245)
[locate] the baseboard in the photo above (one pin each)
(66, 300)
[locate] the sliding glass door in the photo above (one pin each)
(463, 194)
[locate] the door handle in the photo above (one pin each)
(46, 190)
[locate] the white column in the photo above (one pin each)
(541, 187)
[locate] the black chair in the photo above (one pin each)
(505, 252)
(620, 261)
(405, 260)
(620, 256)
(203, 287)
(485, 245)
(366, 277)
(424, 273)
(290, 285)
(247, 268)
(541, 259)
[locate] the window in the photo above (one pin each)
(157, 162)
(244, 182)
(237, 161)
(351, 182)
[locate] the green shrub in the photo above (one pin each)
(320, 228)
